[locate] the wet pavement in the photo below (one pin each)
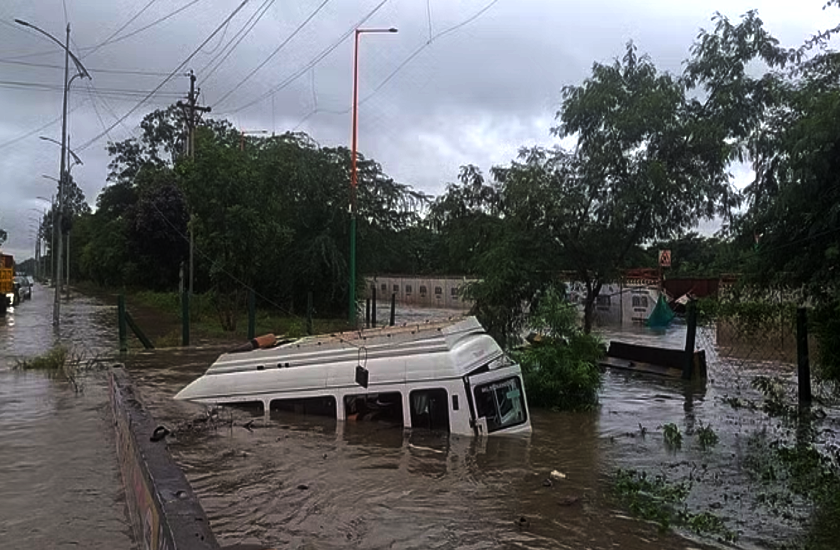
(313, 483)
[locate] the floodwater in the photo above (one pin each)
(296, 482)
(59, 479)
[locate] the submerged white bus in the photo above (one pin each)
(442, 376)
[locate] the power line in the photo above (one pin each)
(41, 86)
(168, 78)
(404, 62)
(39, 129)
(313, 62)
(141, 29)
(236, 39)
(119, 30)
(276, 50)
(221, 39)
(98, 116)
(61, 67)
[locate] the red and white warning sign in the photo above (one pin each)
(664, 258)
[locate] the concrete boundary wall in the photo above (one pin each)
(165, 513)
(426, 291)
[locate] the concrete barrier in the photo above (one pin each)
(165, 513)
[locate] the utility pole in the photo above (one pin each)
(81, 72)
(190, 109)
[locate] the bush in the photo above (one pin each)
(561, 372)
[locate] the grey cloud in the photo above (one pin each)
(474, 95)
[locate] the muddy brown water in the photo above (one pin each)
(314, 483)
(59, 480)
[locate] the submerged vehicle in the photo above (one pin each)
(443, 376)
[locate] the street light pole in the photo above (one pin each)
(353, 173)
(81, 71)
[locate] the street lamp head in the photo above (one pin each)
(22, 22)
(393, 29)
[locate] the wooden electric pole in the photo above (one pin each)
(191, 112)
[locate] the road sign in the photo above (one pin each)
(664, 258)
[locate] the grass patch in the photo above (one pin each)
(60, 362)
(205, 322)
(706, 436)
(657, 499)
(673, 436)
(55, 360)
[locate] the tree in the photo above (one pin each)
(3, 236)
(789, 134)
(646, 166)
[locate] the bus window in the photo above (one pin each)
(308, 406)
(381, 407)
(429, 409)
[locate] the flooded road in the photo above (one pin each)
(307, 482)
(295, 482)
(59, 481)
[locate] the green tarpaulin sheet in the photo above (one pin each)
(662, 314)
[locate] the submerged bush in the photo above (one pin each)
(60, 362)
(561, 372)
(54, 360)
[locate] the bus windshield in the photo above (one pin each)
(500, 403)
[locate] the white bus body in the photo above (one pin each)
(444, 376)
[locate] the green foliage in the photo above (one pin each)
(673, 435)
(706, 437)
(53, 360)
(3, 236)
(271, 215)
(563, 372)
(657, 499)
(749, 316)
(694, 255)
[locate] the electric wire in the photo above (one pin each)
(103, 71)
(171, 75)
(110, 110)
(40, 86)
(275, 52)
(236, 39)
(403, 64)
(111, 41)
(119, 30)
(38, 129)
(215, 48)
(99, 116)
(141, 29)
(429, 17)
(312, 63)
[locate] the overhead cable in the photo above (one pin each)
(313, 62)
(119, 30)
(172, 74)
(141, 29)
(61, 67)
(276, 51)
(235, 40)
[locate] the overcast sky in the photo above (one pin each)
(472, 95)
